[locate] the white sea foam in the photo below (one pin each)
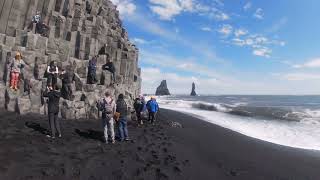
(303, 134)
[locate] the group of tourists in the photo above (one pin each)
(114, 114)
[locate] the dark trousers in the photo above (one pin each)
(123, 129)
(66, 91)
(91, 79)
(52, 80)
(112, 73)
(139, 119)
(152, 117)
(54, 124)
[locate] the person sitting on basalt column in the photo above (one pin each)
(52, 74)
(92, 70)
(109, 66)
(35, 19)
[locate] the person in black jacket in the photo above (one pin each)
(138, 107)
(122, 108)
(53, 110)
(109, 66)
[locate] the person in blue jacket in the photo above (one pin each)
(153, 108)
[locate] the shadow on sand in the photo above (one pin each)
(37, 127)
(91, 134)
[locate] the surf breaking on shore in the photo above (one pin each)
(284, 126)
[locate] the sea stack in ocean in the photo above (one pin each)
(79, 30)
(162, 89)
(193, 91)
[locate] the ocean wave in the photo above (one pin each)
(242, 109)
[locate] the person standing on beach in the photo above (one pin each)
(153, 108)
(138, 106)
(122, 109)
(108, 108)
(53, 96)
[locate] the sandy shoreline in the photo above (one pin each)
(198, 150)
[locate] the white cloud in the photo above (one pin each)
(168, 9)
(226, 30)
(208, 29)
(259, 14)
(218, 15)
(300, 76)
(247, 6)
(314, 63)
(278, 25)
(240, 32)
(139, 41)
(263, 52)
(125, 7)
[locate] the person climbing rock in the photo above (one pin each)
(153, 108)
(109, 66)
(122, 109)
(92, 70)
(52, 74)
(108, 108)
(103, 50)
(16, 67)
(138, 106)
(67, 78)
(53, 95)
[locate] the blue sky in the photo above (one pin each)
(226, 46)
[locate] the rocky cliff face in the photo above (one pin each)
(78, 30)
(193, 90)
(162, 89)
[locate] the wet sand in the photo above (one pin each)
(198, 150)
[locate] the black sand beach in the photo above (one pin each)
(198, 150)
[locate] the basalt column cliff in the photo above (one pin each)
(78, 29)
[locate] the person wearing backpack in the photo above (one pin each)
(16, 67)
(122, 109)
(92, 69)
(138, 106)
(108, 108)
(153, 108)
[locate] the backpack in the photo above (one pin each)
(107, 107)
